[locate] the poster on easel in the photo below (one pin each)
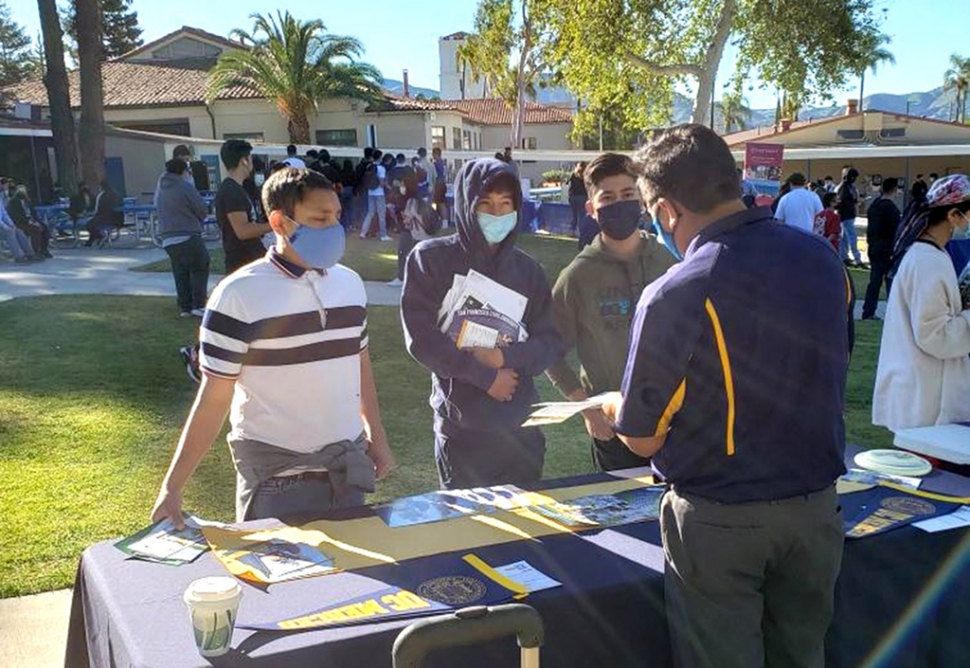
(762, 169)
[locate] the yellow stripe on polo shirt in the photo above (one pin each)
(726, 367)
(673, 406)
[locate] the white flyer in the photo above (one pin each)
(556, 412)
(956, 520)
(527, 576)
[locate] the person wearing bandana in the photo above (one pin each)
(595, 298)
(284, 353)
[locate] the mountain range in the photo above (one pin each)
(936, 104)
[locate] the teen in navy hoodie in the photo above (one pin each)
(481, 396)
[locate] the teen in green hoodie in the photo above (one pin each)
(596, 295)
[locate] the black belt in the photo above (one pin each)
(306, 475)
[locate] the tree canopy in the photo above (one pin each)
(120, 32)
(17, 60)
(632, 53)
(296, 64)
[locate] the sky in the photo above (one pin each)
(400, 34)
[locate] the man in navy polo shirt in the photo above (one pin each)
(734, 385)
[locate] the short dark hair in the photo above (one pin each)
(691, 164)
(291, 150)
(504, 182)
(312, 153)
(423, 152)
(828, 199)
(919, 176)
(797, 179)
(606, 165)
(436, 149)
(828, 178)
(377, 154)
(324, 155)
(368, 152)
(934, 175)
(181, 151)
(233, 151)
(890, 184)
(176, 166)
(400, 157)
(289, 186)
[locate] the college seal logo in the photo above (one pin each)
(909, 505)
(452, 590)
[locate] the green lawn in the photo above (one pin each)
(93, 397)
(377, 260)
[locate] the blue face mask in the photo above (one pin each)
(667, 239)
(497, 228)
(319, 247)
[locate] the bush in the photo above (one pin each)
(556, 175)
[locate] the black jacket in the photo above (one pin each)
(884, 217)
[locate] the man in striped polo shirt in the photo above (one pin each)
(284, 354)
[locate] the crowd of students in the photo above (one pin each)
(685, 333)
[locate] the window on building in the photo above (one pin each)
(887, 133)
(529, 143)
(174, 126)
(337, 137)
(456, 138)
(248, 136)
(850, 134)
(438, 137)
(466, 140)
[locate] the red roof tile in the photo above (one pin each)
(174, 83)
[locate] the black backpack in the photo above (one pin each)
(370, 180)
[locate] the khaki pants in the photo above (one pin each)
(750, 585)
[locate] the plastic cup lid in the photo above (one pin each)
(212, 589)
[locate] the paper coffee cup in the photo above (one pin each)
(213, 603)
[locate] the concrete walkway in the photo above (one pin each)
(91, 271)
(33, 630)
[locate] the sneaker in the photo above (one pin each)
(22, 260)
(185, 314)
(396, 283)
(191, 360)
(197, 312)
(362, 236)
(386, 238)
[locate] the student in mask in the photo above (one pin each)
(923, 377)
(241, 234)
(481, 396)
(596, 296)
(284, 345)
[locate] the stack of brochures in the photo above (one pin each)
(164, 544)
(478, 312)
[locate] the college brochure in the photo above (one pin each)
(480, 312)
(555, 412)
(163, 543)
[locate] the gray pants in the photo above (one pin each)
(300, 496)
(750, 585)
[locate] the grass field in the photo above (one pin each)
(93, 396)
(377, 260)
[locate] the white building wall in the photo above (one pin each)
(450, 76)
(548, 136)
(200, 125)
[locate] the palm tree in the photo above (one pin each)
(871, 55)
(735, 112)
(296, 64)
(957, 78)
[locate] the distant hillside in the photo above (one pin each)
(397, 88)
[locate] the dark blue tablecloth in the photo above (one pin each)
(904, 591)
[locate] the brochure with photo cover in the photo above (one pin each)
(605, 510)
(163, 543)
(479, 327)
(556, 412)
(446, 505)
(277, 560)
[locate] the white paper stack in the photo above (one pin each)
(893, 462)
(480, 312)
(949, 442)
